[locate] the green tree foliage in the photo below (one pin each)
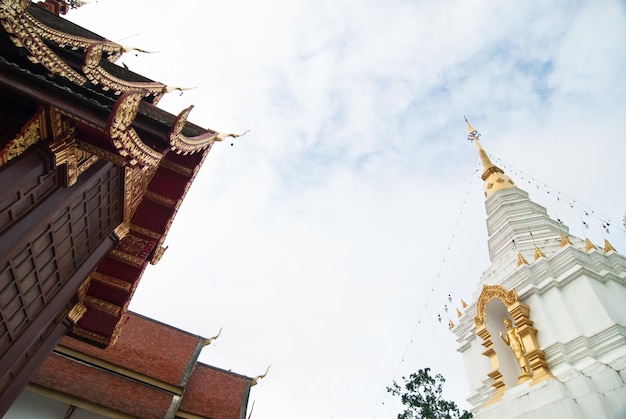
(422, 398)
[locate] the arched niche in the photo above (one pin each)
(489, 320)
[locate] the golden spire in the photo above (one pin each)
(589, 246)
(608, 247)
(538, 253)
(494, 177)
(458, 313)
(565, 240)
(520, 260)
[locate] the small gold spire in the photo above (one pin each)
(495, 179)
(458, 313)
(565, 240)
(538, 253)
(608, 247)
(451, 325)
(464, 304)
(589, 246)
(520, 260)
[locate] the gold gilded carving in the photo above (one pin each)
(32, 132)
(27, 33)
(122, 230)
(103, 306)
(125, 138)
(523, 340)
(521, 260)
(514, 341)
(565, 240)
(160, 199)
(256, 379)
(111, 281)
(589, 246)
(145, 232)
(135, 184)
(158, 254)
(97, 75)
(77, 312)
(132, 245)
(488, 293)
(176, 168)
(126, 258)
(100, 153)
(539, 253)
(188, 145)
(608, 247)
(89, 335)
(117, 332)
(76, 161)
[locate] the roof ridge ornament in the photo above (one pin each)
(125, 138)
(256, 379)
(182, 144)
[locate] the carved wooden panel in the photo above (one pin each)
(34, 273)
(23, 185)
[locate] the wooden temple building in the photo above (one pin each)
(92, 173)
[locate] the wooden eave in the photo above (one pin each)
(90, 110)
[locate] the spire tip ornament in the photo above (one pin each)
(494, 177)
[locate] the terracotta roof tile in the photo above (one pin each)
(148, 347)
(102, 388)
(216, 393)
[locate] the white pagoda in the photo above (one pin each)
(563, 352)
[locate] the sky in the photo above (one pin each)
(328, 239)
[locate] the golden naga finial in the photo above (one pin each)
(208, 341)
(129, 49)
(222, 136)
(256, 379)
(170, 89)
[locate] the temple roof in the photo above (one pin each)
(104, 111)
(156, 363)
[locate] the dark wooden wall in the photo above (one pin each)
(51, 238)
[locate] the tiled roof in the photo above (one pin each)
(102, 388)
(145, 373)
(216, 393)
(148, 347)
